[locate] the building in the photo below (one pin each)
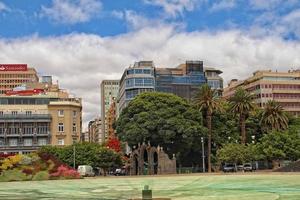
(283, 87)
(214, 80)
(14, 75)
(135, 80)
(95, 131)
(183, 80)
(37, 114)
(109, 91)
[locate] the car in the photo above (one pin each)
(229, 168)
(240, 167)
(85, 170)
(120, 172)
(248, 167)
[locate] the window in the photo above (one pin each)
(139, 82)
(27, 142)
(1, 142)
(42, 141)
(1, 112)
(74, 127)
(60, 127)
(14, 112)
(13, 142)
(61, 142)
(74, 113)
(60, 113)
(28, 112)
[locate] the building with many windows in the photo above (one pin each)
(38, 114)
(95, 131)
(283, 87)
(109, 91)
(135, 80)
(183, 80)
(214, 80)
(14, 75)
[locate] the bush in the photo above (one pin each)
(27, 171)
(10, 162)
(14, 175)
(40, 176)
(65, 173)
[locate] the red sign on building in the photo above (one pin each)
(13, 67)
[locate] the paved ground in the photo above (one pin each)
(190, 187)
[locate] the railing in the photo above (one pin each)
(24, 116)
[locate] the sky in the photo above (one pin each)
(82, 42)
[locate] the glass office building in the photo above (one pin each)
(183, 80)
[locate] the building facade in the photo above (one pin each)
(214, 80)
(14, 75)
(136, 79)
(183, 80)
(109, 91)
(95, 131)
(38, 114)
(283, 87)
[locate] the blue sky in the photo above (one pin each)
(82, 42)
(108, 18)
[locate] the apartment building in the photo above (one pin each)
(36, 114)
(95, 131)
(283, 87)
(109, 91)
(214, 80)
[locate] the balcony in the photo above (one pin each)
(25, 118)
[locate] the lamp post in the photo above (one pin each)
(74, 153)
(203, 156)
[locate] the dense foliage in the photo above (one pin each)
(163, 119)
(92, 154)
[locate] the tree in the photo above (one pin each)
(279, 145)
(207, 100)
(241, 104)
(162, 119)
(273, 117)
(107, 158)
(237, 153)
(114, 144)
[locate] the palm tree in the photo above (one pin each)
(241, 104)
(273, 116)
(208, 101)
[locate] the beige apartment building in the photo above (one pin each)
(38, 114)
(283, 87)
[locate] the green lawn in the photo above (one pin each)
(190, 187)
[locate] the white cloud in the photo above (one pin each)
(3, 7)
(223, 5)
(173, 8)
(81, 61)
(72, 12)
(271, 4)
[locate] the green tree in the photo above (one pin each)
(279, 145)
(241, 104)
(273, 117)
(163, 119)
(107, 158)
(237, 153)
(208, 101)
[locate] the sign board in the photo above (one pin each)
(13, 67)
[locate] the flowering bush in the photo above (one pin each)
(10, 162)
(65, 172)
(27, 171)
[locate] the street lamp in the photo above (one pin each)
(253, 138)
(203, 156)
(74, 153)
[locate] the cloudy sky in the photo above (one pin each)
(81, 42)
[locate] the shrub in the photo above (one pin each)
(40, 176)
(14, 175)
(65, 172)
(27, 171)
(11, 162)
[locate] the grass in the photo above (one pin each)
(189, 187)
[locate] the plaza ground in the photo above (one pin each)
(269, 186)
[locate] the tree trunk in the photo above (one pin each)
(243, 128)
(208, 118)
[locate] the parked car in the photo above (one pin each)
(85, 170)
(229, 167)
(240, 167)
(248, 167)
(120, 172)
